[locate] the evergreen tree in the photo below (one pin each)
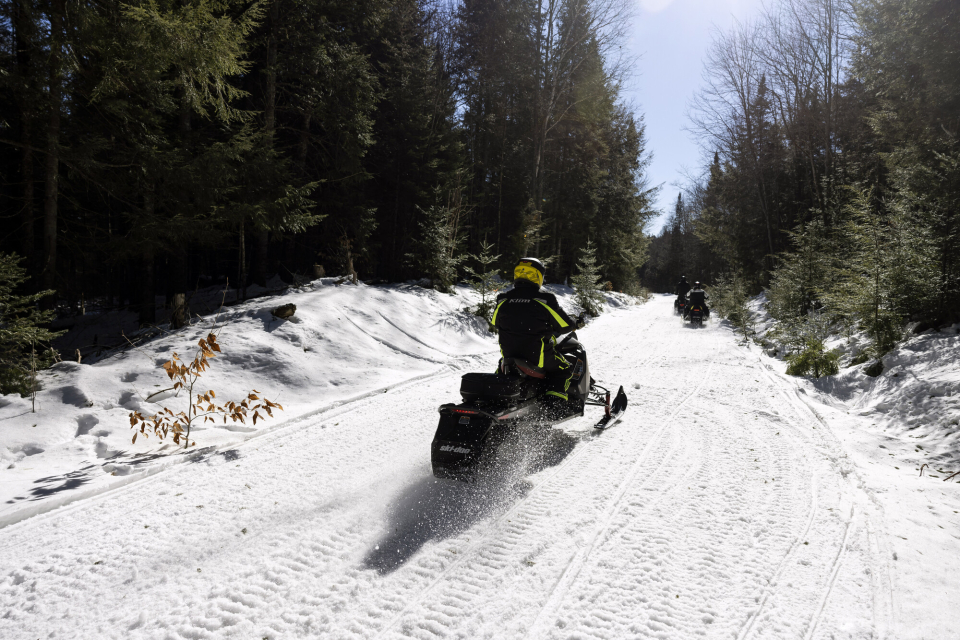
(798, 284)
(24, 338)
(155, 145)
(586, 283)
(485, 281)
(437, 247)
(864, 287)
(415, 159)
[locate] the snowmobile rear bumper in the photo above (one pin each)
(462, 441)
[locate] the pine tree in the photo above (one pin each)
(882, 271)
(416, 149)
(485, 280)
(798, 284)
(437, 247)
(24, 340)
(586, 283)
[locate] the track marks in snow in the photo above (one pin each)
(747, 628)
(555, 598)
(716, 509)
(689, 547)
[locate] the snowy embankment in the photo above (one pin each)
(727, 503)
(344, 342)
(902, 429)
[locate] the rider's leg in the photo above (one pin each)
(559, 378)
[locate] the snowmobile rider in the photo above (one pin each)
(528, 321)
(682, 288)
(697, 296)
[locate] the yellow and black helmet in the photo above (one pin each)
(530, 269)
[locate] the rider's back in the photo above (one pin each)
(524, 316)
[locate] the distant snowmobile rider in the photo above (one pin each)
(528, 321)
(697, 296)
(681, 290)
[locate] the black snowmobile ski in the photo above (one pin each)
(613, 411)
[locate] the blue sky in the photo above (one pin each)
(672, 37)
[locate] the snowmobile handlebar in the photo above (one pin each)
(566, 338)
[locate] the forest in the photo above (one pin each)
(154, 147)
(831, 174)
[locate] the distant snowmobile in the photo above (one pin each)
(695, 315)
(469, 435)
(679, 305)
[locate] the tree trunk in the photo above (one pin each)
(179, 316)
(261, 266)
(148, 288)
(179, 275)
(262, 255)
(23, 25)
(304, 144)
(27, 237)
(51, 177)
(242, 275)
(270, 99)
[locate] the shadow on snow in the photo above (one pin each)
(432, 509)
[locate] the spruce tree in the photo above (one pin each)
(586, 283)
(24, 338)
(485, 280)
(437, 247)
(880, 268)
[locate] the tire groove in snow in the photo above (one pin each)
(493, 573)
(599, 619)
(835, 569)
(543, 485)
(713, 514)
(576, 563)
(776, 574)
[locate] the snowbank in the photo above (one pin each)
(902, 431)
(917, 395)
(344, 342)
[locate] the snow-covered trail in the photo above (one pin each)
(719, 507)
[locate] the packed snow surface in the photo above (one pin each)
(727, 503)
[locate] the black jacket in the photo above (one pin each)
(682, 288)
(528, 319)
(697, 296)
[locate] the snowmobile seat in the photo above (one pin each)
(525, 367)
(487, 385)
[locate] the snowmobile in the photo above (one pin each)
(679, 305)
(470, 434)
(696, 315)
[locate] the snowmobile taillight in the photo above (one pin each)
(467, 412)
